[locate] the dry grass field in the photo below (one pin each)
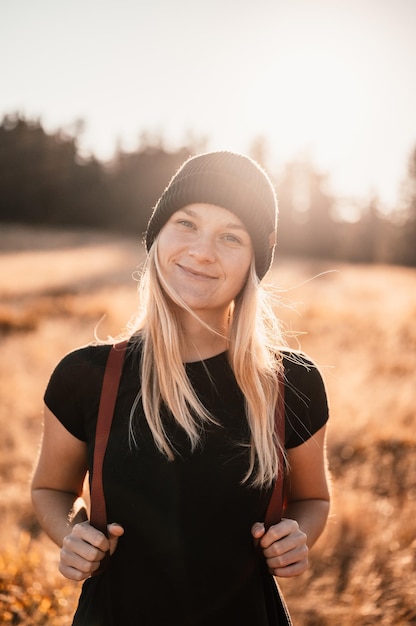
(357, 322)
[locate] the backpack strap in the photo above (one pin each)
(274, 510)
(109, 390)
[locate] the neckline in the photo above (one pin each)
(207, 360)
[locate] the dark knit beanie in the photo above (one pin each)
(231, 181)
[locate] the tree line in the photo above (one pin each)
(45, 181)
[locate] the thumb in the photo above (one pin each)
(258, 530)
(114, 532)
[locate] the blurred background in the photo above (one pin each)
(100, 103)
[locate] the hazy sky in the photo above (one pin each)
(335, 79)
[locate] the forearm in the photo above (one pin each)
(58, 511)
(311, 515)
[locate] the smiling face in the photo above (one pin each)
(205, 254)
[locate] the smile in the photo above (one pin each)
(195, 273)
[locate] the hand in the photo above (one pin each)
(284, 547)
(84, 549)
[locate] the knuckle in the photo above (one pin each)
(80, 575)
(64, 554)
(66, 541)
(93, 554)
(290, 524)
(77, 529)
(62, 569)
(273, 532)
(283, 560)
(84, 567)
(97, 539)
(277, 562)
(95, 566)
(71, 573)
(276, 551)
(89, 534)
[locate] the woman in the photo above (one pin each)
(192, 458)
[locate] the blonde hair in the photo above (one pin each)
(255, 342)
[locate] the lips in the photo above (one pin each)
(189, 271)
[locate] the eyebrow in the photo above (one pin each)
(229, 225)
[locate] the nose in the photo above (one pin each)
(203, 249)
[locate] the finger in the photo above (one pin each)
(82, 565)
(289, 564)
(296, 569)
(91, 535)
(115, 530)
(72, 544)
(278, 532)
(76, 566)
(72, 573)
(286, 545)
(257, 531)
(286, 559)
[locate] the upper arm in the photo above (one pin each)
(62, 462)
(308, 476)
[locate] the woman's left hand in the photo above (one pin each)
(284, 547)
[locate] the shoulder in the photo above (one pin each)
(305, 397)
(300, 369)
(74, 386)
(84, 367)
(77, 368)
(297, 358)
(297, 364)
(91, 355)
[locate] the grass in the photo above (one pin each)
(30, 594)
(358, 323)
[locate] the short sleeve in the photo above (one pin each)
(306, 401)
(73, 390)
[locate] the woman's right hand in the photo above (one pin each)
(84, 549)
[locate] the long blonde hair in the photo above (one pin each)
(255, 342)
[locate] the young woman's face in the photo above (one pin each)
(205, 254)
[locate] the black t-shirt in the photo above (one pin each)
(187, 557)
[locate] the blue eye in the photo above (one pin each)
(232, 238)
(186, 223)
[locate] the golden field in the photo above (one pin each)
(359, 325)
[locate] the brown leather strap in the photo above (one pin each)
(274, 510)
(109, 389)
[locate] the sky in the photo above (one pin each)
(333, 81)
